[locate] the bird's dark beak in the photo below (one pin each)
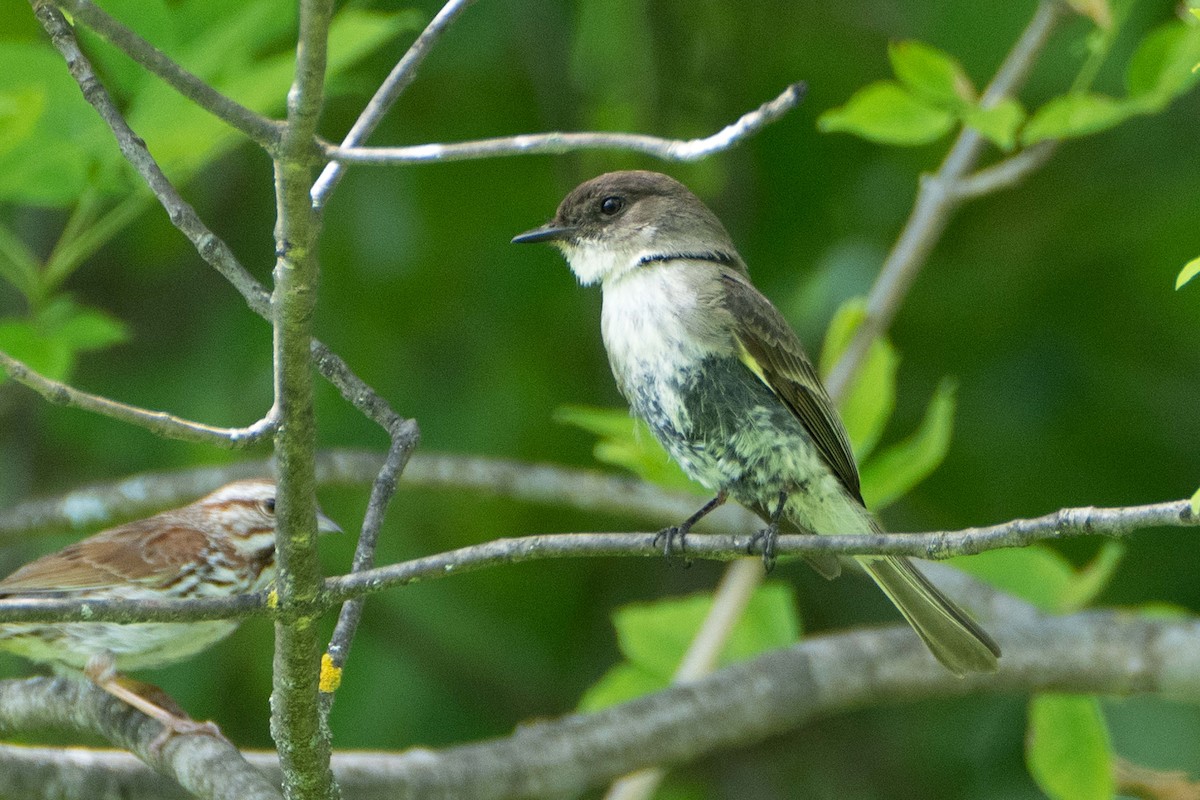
(550, 232)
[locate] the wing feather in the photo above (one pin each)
(769, 347)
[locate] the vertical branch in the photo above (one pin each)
(301, 738)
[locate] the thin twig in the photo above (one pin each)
(1005, 174)
(159, 423)
(263, 130)
(936, 200)
(1063, 524)
(386, 95)
(1100, 652)
(382, 491)
(557, 143)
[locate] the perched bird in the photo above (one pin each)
(219, 546)
(724, 383)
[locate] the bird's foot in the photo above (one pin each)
(673, 541)
(764, 541)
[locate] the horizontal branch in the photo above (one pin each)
(90, 507)
(206, 766)
(263, 130)
(159, 423)
(1069, 522)
(1100, 652)
(558, 143)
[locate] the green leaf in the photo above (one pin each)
(1042, 577)
(50, 342)
(999, 124)
(654, 637)
(1074, 115)
(20, 109)
(1161, 67)
(931, 74)
(871, 398)
(56, 148)
(887, 113)
(1189, 271)
(895, 471)
(627, 443)
(1067, 749)
(623, 682)
(1086, 584)
(184, 137)
(1196, 503)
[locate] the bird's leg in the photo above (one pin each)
(101, 670)
(769, 534)
(679, 532)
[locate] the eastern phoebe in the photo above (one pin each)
(724, 383)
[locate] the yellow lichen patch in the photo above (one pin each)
(331, 676)
(272, 599)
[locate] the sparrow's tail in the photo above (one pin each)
(952, 636)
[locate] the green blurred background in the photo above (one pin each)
(1052, 304)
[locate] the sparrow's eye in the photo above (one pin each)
(611, 205)
(268, 506)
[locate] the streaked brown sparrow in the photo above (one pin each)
(219, 546)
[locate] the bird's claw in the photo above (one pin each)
(764, 540)
(673, 540)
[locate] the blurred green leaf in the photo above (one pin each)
(623, 682)
(1067, 749)
(1189, 271)
(887, 113)
(895, 471)
(185, 137)
(871, 398)
(20, 109)
(998, 123)
(654, 637)
(1074, 115)
(1196, 503)
(1087, 583)
(1161, 67)
(1042, 577)
(1164, 610)
(57, 147)
(627, 442)
(50, 341)
(931, 74)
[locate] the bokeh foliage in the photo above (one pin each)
(1050, 307)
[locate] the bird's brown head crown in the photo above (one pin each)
(608, 224)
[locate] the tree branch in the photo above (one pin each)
(936, 201)
(557, 143)
(206, 766)
(386, 95)
(266, 132)
(1066, 523)
(159, 423)
(301, 736)
(1103, 652)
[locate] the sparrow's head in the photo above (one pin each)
(620, 221)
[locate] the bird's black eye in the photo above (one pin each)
(268, 506)
(611, 205)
